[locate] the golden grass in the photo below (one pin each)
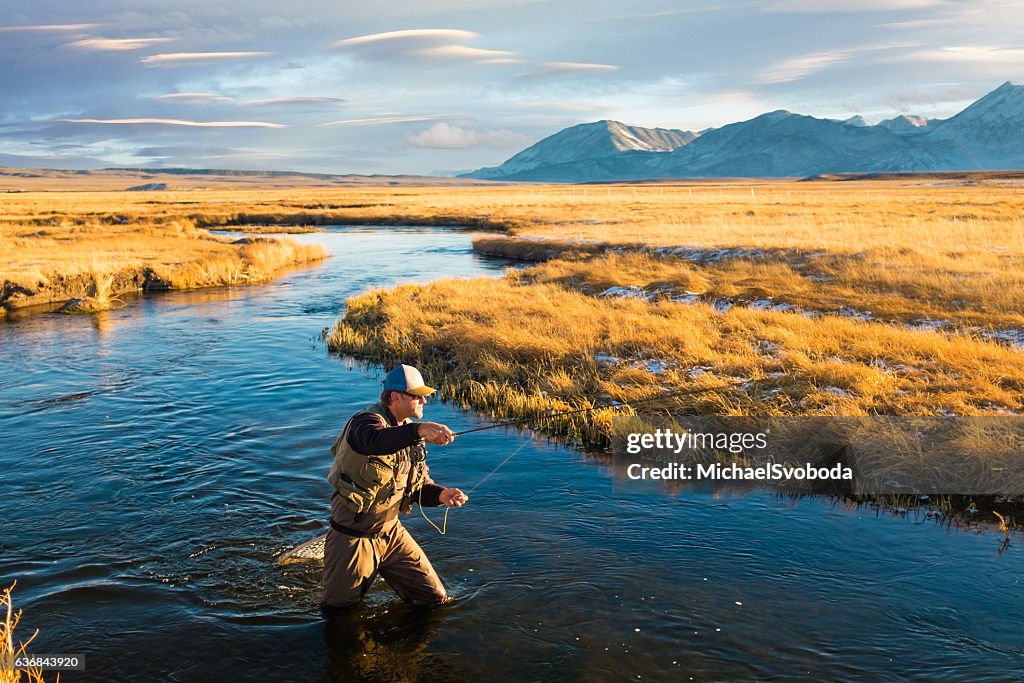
(897, 250)
(10, 648)
(255, 261)
(872, 286)
(516, 348)
(901, 251)
(92, 256)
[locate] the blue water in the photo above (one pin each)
(154, 460)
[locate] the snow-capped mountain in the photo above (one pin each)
(987, 135)
(908, 125)
(588, 142)
(991, 131)
(783, 144)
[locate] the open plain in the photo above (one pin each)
(889, 296)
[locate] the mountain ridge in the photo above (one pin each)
(986, 135)
(588, 141)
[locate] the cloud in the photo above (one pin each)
(470, 53)
(660, 15)
(281, 101)
(503, 60)
(194, 97)
(50, 161)
(172, 58)
(555, 68)
(213, 98)
(179, 122)
(446, 136)
(177, 154)
(419, 35)
(45, 28)
(431, 43)
(798, 67)
(386, 120)
(975, 54)
(820, 6)
(115, 44)
(933, 97)
(922, 23)
(558, 105)
(578, 66)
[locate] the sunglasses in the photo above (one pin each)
(416, 396)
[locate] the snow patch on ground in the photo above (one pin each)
(708, 255)
(992, 409)
(849, 312)
(687, 297)
(634, 292)
(1012, 337)
(626, 293)
(655, 366)
(929, 325)
(768, 350)
(769, 305)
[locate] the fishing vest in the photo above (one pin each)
(365, 482)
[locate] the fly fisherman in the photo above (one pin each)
(379, 470)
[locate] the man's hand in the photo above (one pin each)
(453, 498)
(435, 433)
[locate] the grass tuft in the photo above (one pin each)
(10, 647)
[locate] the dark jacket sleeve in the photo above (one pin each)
(431, 492)
(370, 435)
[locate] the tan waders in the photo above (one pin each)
(351, 563)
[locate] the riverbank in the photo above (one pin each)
(58, 246)
(88, 260)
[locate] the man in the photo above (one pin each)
(379, 471)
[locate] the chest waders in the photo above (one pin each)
(368, 482)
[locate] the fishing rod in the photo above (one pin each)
(615, 404)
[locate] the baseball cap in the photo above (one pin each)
(408, 379)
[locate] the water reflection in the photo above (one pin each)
(387, 644)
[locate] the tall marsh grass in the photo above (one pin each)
(513, 347)
(11, 647)
(255, 261)
(985, 291)
(898, 251)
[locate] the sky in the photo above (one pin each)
(413, 87)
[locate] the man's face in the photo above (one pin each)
(406, 406)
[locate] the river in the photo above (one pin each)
(157, 458)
